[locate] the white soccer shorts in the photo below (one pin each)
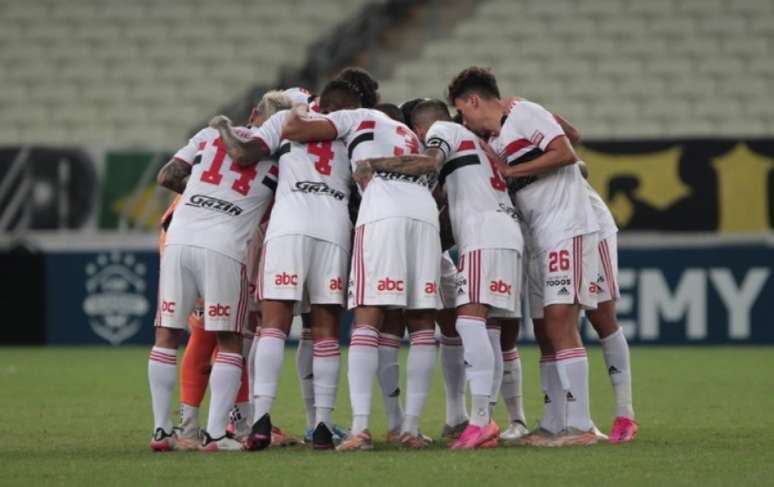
(491, 277)
(563, 275)
(293, 266)
(607, 270)
(448, 288)
(396, 262)
(189, 272)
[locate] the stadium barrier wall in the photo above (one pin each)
(674, 290)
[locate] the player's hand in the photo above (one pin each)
(492, 155)
(220, 121)
(363, 173)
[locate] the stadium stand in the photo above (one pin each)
(618, 68)
(137, 73)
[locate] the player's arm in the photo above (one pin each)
(558, 153)
(410, 165)
(241, 151)
(174, 175)
(569, 129)
(299, 128)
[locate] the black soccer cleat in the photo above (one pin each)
(322, 438)
(260, 435)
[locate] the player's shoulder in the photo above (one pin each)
(206, 133)
(524, 109)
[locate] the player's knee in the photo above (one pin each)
(168, 337)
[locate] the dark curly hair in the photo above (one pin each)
(339, 94)
(473, 80)
(366, 85)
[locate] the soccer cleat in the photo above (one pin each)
(188, 439)
(453, 432)
(538, 437)
(339, 434)
(322, 438)
(224, 443)
(477, 437)
(600, 436)
(358, 442)
(163, 441)
(624, 430)
(393, 437)
(571, 437)
(516, 431)
(415, 442)
(260, 435)
(237, 424)
(281, 439)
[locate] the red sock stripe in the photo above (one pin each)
(272, 333)
(328, 347)
(364, 341)
(163, 358)
(511, 355)
(229, 359)
(423, 337)
(389, 341)
(451, 341)
(570, 353)
(473, 318)
(544, 359)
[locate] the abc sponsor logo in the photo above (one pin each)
(336, 284)
(431, 288)
(286, 279)
(390, 285)
(168, 307)
(218, 311)
(500, 287)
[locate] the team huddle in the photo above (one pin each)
(321, 203)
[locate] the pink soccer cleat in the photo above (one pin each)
(163, 441)
(477, 437)
(624, 430)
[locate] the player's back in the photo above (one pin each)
(223, 203)
(481, 212)
(371, 134)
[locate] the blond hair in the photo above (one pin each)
(272, 102)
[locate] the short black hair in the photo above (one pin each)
(473, 80)
(392, 111)
(434, 109)
(339, 95)
(366, 85)
(407, 107)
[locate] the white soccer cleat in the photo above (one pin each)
(224, 443)
(600, 436)
(516, 430)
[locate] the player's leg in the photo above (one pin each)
(304, 358)
(390, 337)
(493, 331)
(453, 368)
(194, 376)
(419, 373)
(511, 388)
(614, 345)
(177, 295)
(226, 303)
(326, 369)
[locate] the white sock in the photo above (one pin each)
(554, 397)
(480, 359)
(268, 362)
(250, 364)
(363, 366)
(453, 368)
(419, 373)
(304, 367)
(162, 377)
(572, 368)
(497, 378)
(389, 379)
(327, 361)
(616, 351)
(224, 385)
(511, 388)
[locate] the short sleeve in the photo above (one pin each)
(442, 136)
(271, 131)
(345, 121)
(195, 144)
(536, 124)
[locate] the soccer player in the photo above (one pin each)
(306, 252)
(205, 254)
(554, 203)
(489, 241)
(396, 258)
(615, 348)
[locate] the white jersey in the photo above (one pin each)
(313, 191)
(223, 203)
(369, 134)
(555, 205)
(481, 212)
(605, 220)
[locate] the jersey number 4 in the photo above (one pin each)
(213, 176)
(324, 155)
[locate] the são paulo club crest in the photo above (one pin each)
(115, 301)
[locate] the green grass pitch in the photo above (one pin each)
(81, 416)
